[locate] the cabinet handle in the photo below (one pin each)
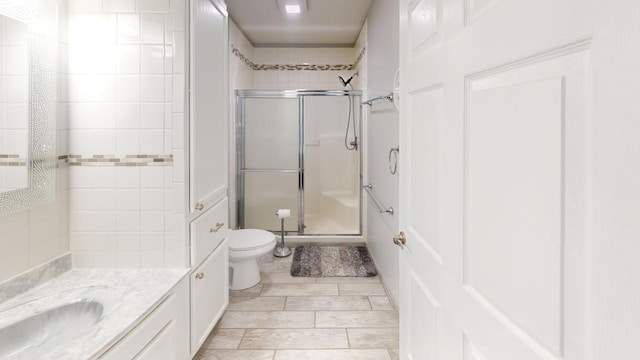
(199, 206)
(215, 229)
(199, 276)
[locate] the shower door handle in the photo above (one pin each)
(400, 240)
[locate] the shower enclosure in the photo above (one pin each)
(292, 151)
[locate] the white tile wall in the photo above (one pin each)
(123, 216)
(317, 80)
(240, 77)
(381, 34)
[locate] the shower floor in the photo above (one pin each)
(323, 225)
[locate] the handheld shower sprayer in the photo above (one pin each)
(351, 118)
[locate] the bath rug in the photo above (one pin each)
(332, 261)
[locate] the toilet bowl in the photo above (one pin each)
(245, 247)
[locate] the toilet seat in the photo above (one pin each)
(250, 239)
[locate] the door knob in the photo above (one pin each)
(199, 276)
(400, 239)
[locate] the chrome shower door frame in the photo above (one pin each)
(241, 96)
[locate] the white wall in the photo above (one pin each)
(241, 76)
(30, 238)
(300, 79)
(382, 135)
(126, 103)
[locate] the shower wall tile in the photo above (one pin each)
(128, 29)
(152, 88)
(126, 107)
(152, 59)
(92, 29)
(152, 26)
(128, 59)
(179, 53)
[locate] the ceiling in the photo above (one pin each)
(335, 23)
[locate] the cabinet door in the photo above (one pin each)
(209, 294)
(161, 347)
(208, 103)
(162, 335)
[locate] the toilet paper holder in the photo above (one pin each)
(281, 250)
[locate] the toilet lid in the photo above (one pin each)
(248, 239)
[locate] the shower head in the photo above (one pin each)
(346, 82)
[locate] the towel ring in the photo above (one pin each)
(393, 160)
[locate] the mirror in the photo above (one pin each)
(14, 104)
(28, 99)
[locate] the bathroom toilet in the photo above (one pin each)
(245, 247)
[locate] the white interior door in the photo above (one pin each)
(497, 102)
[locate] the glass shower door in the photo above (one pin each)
(332, 171)
(270, 171)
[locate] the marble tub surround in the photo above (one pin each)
(34, 277)
(286, 317)
(128, 296)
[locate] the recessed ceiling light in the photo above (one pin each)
(292, 6)
(292, 9)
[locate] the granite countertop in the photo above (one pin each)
(126, 295)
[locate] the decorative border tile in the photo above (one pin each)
(95, 160)
(297, 67)
(12, 160)
(127, 160)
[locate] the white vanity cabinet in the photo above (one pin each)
(161, 335)
(210, 278)
(208, 104)
(209, 294)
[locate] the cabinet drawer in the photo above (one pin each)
(208, 231)
(209, 294)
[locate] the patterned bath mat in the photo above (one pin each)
(332, 261)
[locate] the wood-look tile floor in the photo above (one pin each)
(286, 318)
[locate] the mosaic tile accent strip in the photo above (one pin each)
(235, 51)
(359, 58)
(63, 161)
(127, 160)
(297, 67)
(12, 160)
